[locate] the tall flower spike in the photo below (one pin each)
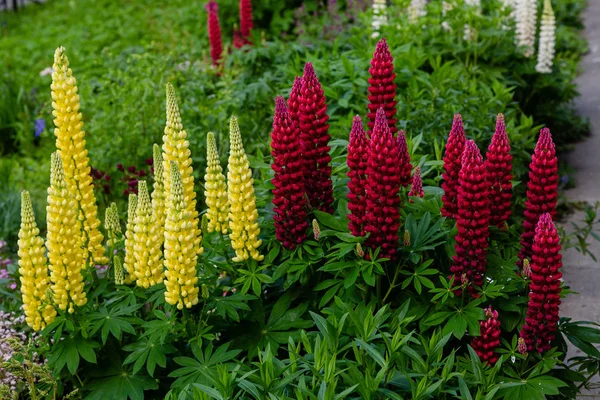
(404, 161)
(542, 190)
(498, 168)
(473, 219)
(289, 198)
(294, 99)
(358, 151)
(216, 189)
(383, 184)
(214, 33)
(489, 339)
(180, 248)
(159, 195)
(379, 16)
(544, 290)
(176, 148)
(64, 241)
(243, 216)
(148, 263)
(119, 274)
(130, 240)
(70, 142)
(33, 269)
(526, 21)
(112, 225)
(312, 116)
(382, 89)
(416, 190)
(452, 164)
(547, 40)
(416, 10)
(246, 19)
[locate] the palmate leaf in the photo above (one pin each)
(120, 384)
(198, 369)
(114, 320)
(149, 353)
(69, 351)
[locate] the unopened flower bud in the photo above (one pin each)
(522, 346)
(205, 292)
(359, 250)
(316, 229)
(527, 268)
(406, 238)
(119, 274)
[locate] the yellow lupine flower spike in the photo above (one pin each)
(148, 264)
(180, 251)
(112, 225)
(65, 242)
(158, 194)
(243, 217)
(70, 141)
(215, 189)
(130, 240)
(118, 268)
(176, 148)
(33, 269)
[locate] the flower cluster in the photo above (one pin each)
(379, 16)
(131, 175)
(416, 189)
(452, 166)
(489, 339)
(112, 224)
(214, 33)
(294, 99)
(382, 89)
(130, 239)
(547, 40)
(404, 160)
(246, 20)
(416, 9)
(358, 147)
(526, 20)
(498, 167)
(215, 191)
(100, 180)
(159, 195)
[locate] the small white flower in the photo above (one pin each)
(526, 16)
(46, 71)
(416, 9)
(379, 16)
(547, 40)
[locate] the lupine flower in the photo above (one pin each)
(246, 20)
(65, 242)
(181, 255)
(119, 274)
(452, 165)
(404, 161)
(489, 339)
(379, 16)
(526, 17)
(406, 238)
(33, 269)
(416, 10)
(40, 125)
(294, 100)
(359, 250)
(416, 188)
(159, 195)
(70, 142)
(544, 289)
(205, 292)
(542, 190)
(473, 219)
(383, 184)
(522, 346)
(177, 148)
(382, 89)
(243, 216)
(130, 239)
(526, 268)
(148, 263)
(498, 167)
(112, 224)
(312, 117)
(214, 33)
(316, 229)
(216, 189)
(358, 150)
(238, 42)
(289, 196)
(547, 40)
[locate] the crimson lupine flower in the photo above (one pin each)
(383, 184)
(544, 290)
(542, 190)
(288, 195)
(452, 165)
(498, 167)
(314, 138)
(238, 41)
(382, 89)
(472, 221)
(245, 19)
(358, 150)
(489, 339)
(214, 33)
(417, 185)
(294, 99)
(404, 161)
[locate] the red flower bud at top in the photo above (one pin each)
(238, 41)
(288, 195)
(417, 185)
(358, 151)
(294, 99)
(498, 167)
(452, 163)
(542, 190)
(405, 166)
(314, 138)
(245, 19)
(214, 33)
(382, 89)
(544, 289)
(489, 339)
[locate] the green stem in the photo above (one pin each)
(392, 285)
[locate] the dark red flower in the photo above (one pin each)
(238, 42)
(498, 167)
(294, 99)
(452, 165)
(314, 138)
(358, 151)
(214, 33)
(544, 289)
(404, 161)
(417, 185)
(382, 89)
(120, 167)
(131, 169)
(489, 338)
(245, 20)
(288, 195)
(542, 190)
(149, 161)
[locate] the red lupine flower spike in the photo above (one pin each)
(473, 219)
(382, 89)
(498, 167)
(314, 138)
(294, 99)
(289, 199)
(245, 20)
(238, 41)
(358, 150)
(383, 184)
(544, 289)
(452, 165)
(404, 161)
(417, 185)
(214, 33)
(542, 190)
(489, 339)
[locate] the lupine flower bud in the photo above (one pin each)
(289, 199)
(312, 117)
(159, 195)
(246, 19)
(358, 150)
(383, 184)
(526, 21)
(473, 218)
(404, 161)
(204, 223)
(294, 100)
(406, 238)
(70, 142)
(416, 9)
(33, 269)
(359, 250)
(214, 33)
(542, 190)
(547, 40)
(316, 229)
(205, 292)
(130, 239)
(526, 268)
(382, 89)
(119, 274)
(489, 339)
(215, 189)
(452, 165)
(111, 220)
(544, 289)
(498, 168)
(417, 185)
(243, 216)
(522, 346)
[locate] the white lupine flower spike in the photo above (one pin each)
(547, 40)
(526, 16)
